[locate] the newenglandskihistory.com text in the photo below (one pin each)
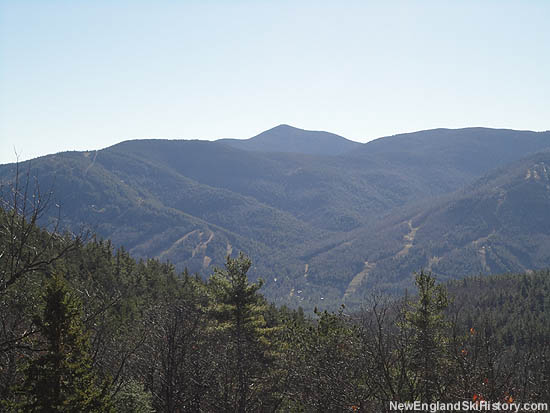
(468, 406)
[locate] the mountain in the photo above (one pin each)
(319, 228)
(452, 158)
(499, 223)
(285, 138)
(153, 210)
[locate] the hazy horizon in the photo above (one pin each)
(19, 157)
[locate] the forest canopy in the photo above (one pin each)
(86, 327)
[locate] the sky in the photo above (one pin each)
(84, 75)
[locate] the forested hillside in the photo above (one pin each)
(86, 327)
(324, 219)
(497, 224)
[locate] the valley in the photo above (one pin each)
(317, 213)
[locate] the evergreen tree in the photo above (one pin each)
(426, 321)
(324, 364)
(61, 378)
(242, 332)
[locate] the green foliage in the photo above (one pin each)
(61, 378)
(133, 398)
(126, 335)
(323, 364)
(426, 322)
(244, 337)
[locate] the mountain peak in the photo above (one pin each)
(289, 139)
(284, 126)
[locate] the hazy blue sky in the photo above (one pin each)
(87, 74)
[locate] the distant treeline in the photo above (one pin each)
(87, 328)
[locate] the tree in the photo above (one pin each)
(386, 348)
(133, 398)
(26, 252)
(241, 330)
(179, 372)
(24, 247)
(61, 378)
(323, 362)
(426, 321)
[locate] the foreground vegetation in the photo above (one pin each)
(85, 327)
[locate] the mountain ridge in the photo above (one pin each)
(316, 225)
(497, 224)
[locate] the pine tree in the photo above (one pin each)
(426, 321)
(61, 378)
(242, 331)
